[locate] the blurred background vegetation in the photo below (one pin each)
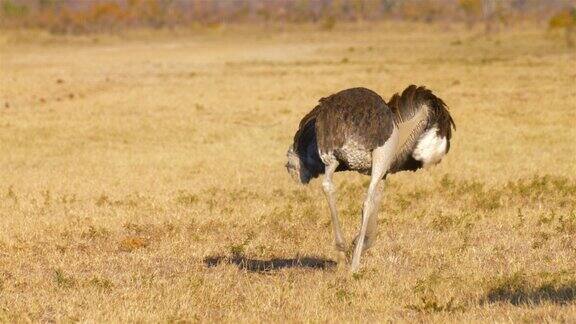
(91, 16)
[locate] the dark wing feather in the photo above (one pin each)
(359, 114)
(306, 130)
(305, 143)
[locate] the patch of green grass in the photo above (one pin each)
(343, 295)
(101, 283)
(431, 304)
(186, 198)
(567, 223)
(442, 222)
(428, 300)
(94, 232)
(63, 280)
(488, 200)
(11, 194)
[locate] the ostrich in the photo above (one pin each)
(355, 129)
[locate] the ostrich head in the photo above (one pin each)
(296, 168)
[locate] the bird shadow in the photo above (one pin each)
(561, 294)
(265, 266)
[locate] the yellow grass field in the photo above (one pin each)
(142, 178)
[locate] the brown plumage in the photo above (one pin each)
(358, 113)
(361, 115)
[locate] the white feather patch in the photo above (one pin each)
(430, 148)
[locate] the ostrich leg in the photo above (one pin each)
(372, 228)
(330, 192)
(381, 160)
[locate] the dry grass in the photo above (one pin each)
(143, 180)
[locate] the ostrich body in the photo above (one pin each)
(355, 129)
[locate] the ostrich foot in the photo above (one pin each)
(342, 260)
(341, 256)
(368, 243)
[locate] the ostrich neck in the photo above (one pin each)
(408, 133)
(409, 129)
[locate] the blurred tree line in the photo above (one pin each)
(84, 16)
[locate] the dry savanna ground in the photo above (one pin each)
(142, 178)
